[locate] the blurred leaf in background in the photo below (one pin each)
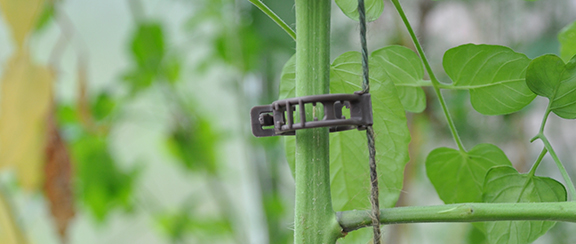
(47, 14)
(24, 105)
(186, 221)
(100, 183)
(567, 38)
(194, 144)
(150, 58)
(21, 17)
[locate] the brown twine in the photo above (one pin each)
(375, 213)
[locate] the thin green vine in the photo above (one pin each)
(548, 146)
(435, 83)
(560, 166)
(260, 5)
(537, 163)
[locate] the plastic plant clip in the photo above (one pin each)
(278, 118)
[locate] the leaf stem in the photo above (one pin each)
(548, 146)
(561, 168)
(544, 120)
(464, 212)
(435, 83)
(537, 163)
(260, 5)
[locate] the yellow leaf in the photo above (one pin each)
(25, 98)
(9, 232)
(21, 16)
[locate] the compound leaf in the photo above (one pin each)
(493, 74)
(504, 184)
(458, 176)
(549, 77)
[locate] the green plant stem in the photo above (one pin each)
(544, 120)
(464, 212)
(435, 83)
(537, 163)
(315, 221)
(260, 5)
(561, 168)
(559, 164)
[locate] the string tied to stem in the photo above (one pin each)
(375, 212)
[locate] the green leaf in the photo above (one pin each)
(148, 46)
(240, 47)
(139, 79)
(404, 68)
(287, 90)
(362, 235)
(103, 106)
(458, 176)
(549, 77)
(288, 79)
(475, 235)
(505, 184)
(567, 38)
(178, 225)
(349, 151)
(46, 16)
(171, 69)
(374, 8)
(195, 145)
(67, 115)
(493, 74)
(350, 179)
(102, 185)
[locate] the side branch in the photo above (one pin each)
(464, 212)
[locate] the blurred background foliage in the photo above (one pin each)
(127, 121)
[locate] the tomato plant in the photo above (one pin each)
(477, 185)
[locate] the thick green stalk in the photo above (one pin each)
(465, 212)
(315, 221)
(435, 83)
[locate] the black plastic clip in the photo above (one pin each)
(278, 118)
